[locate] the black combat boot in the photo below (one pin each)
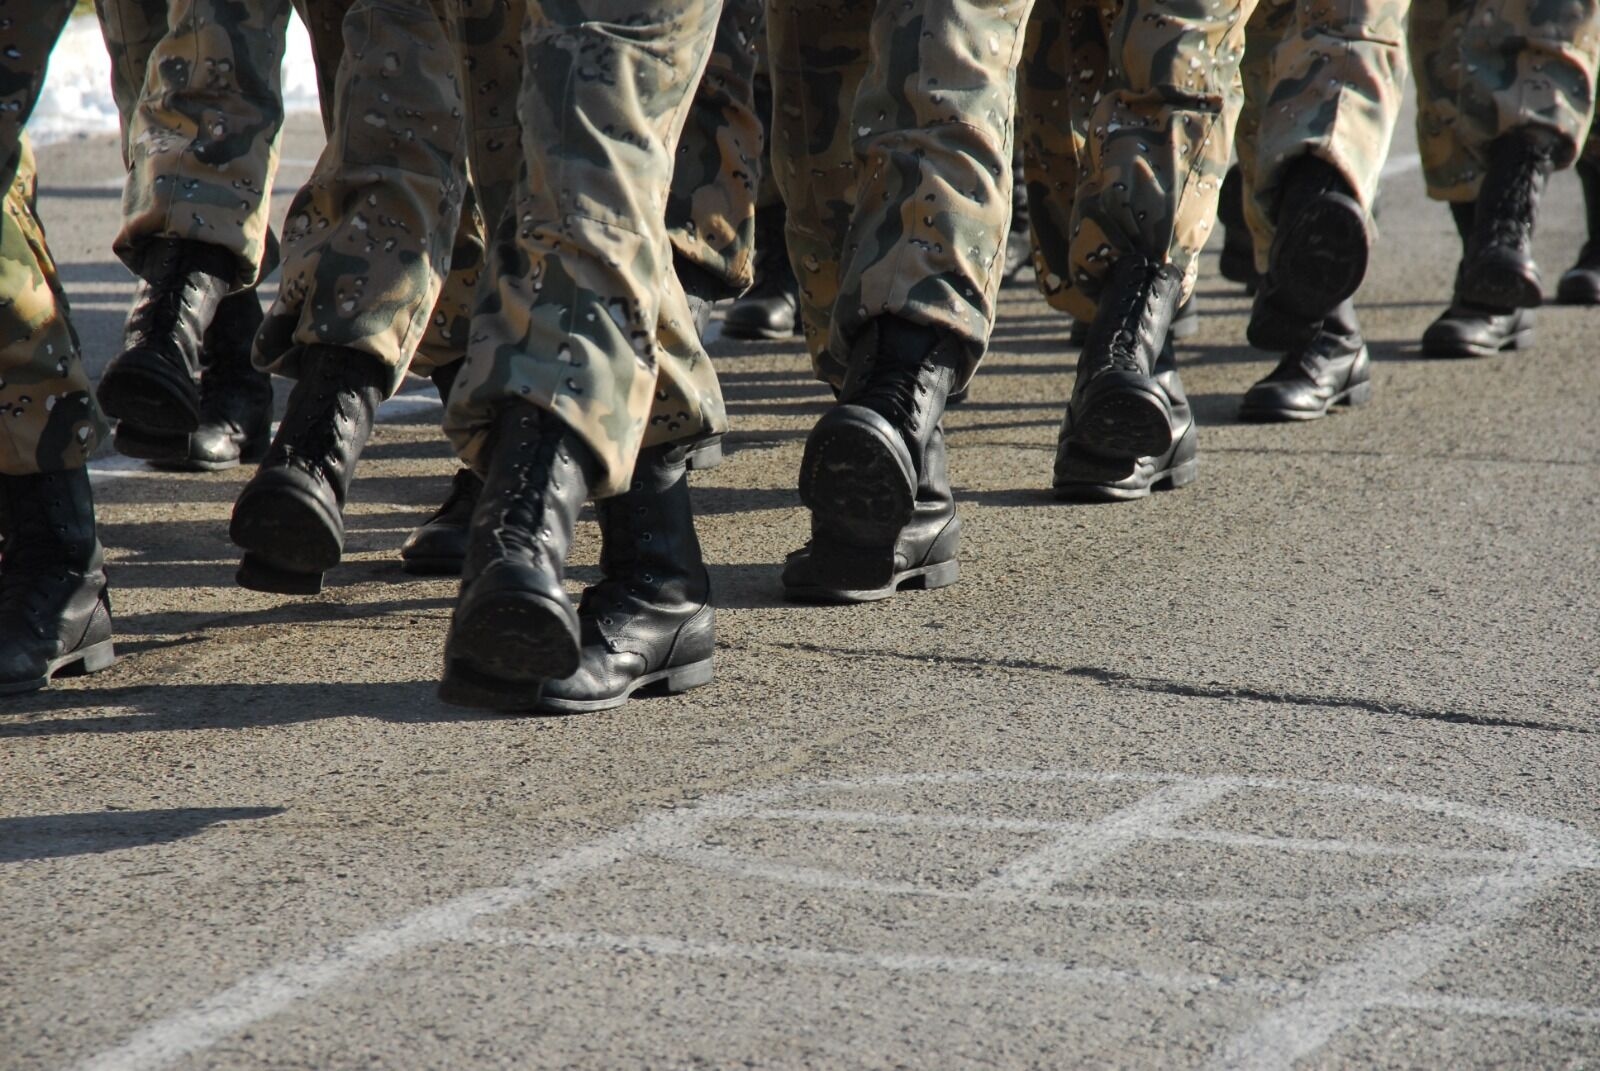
(648, 623)
(235, 401)
(55, 615)
(1082, 475)
(152, 381)
(1117, 407)
(864, 459)
(924, 555)
(1185, 323)
(1317, 260)
(1580, 285)
(1469, 330)
(1498, 271)
(514, 627)
(1332, 370)
(1238, 260)
(771, 308)
(289, 518)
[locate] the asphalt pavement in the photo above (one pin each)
(1293, 767)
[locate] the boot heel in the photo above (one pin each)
(91, 659)
(1360, 394)
(1182, 475)
(257, 574)
(850, 568)
(684, 678)
(935, 576)
(462, 686)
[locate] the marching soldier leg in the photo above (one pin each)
(55, 615)
(893, 145)
(366, 247)
(1580, 284)
(585, 376)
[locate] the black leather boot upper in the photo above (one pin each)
(649, 620)
(235, 400)
(1082, 475)
(1580, 284)
(1320, 246)
(1118, 410)
(864, 459)
(152, 382)
(54, 610)
(290, 516)
(1466, 329)
(771, 308)
(1498, 271)
(1333, 368)
(1238, 260)
(923, 554)
(514, 626)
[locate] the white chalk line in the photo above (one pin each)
(1062, 974)
(1375, 977)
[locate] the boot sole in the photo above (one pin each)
(79, 663)
(288, 538)
(1497, 283)
(1328, 243)
(143, 388)
(1125, 422)
(1577, 292)
(183, 461)
(1519, 340)
(1360, 394)
(922, 578)
(674, 680)
(857, 477)
(517, 638)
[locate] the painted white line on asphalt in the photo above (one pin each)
(1084, 850)
(1401, 164)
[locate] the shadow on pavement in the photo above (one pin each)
(55, 836)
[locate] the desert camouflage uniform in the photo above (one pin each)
(1322, 78)
(49, 420)
(1151, 154)
(891, 143)
(581, 312)
(1485, 67)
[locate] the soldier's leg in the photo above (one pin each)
(1580, 284)
(366, 247)
(235, 400)
(1328, 107)
(201, 109)
(54, 613)
(585, 372)
(917, 227)
(1157, 150)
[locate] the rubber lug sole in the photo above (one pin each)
(143, 388)
(1360, 394)
(1500, 282)
(857, 477)
(922, 578)
(514, 637)
(85, 660)
(674, 680)
(1321, 257)
(288, 538)
(1124, 422)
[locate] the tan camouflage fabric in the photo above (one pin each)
(197, 83)
(370, 237)
(580, 312)
(1484, 67)
(1154, 148)
(1322, 78)
(891, 143)
(49, 420)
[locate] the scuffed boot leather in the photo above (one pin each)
(1333, 369)
(1468, 330)
(1498, 271)
(55, 614)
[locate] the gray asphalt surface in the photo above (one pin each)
(1295, 767)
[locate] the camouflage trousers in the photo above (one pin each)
(891, 144)
(580, 311)
(1322, 78)
(1128, 118)
(49, 420)
(1485, 67)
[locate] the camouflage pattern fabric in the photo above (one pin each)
(891, 143)
(1322, 78)
(197, 83)
(1485, 67)
(581, 313)
(370, 237)
(717, 173)
(49, 420)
